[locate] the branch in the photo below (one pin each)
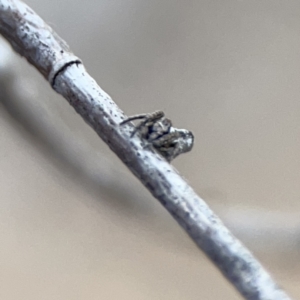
(262, 229)
(43, 48)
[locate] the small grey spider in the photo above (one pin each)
(157, 130)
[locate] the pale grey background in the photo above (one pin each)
(227, 70)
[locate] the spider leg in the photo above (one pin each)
(166, 140)
(152, 116)
(170, 152)
(139, 127)
(150, 119)
(132, 118)
(156, 115)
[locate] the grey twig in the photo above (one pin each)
(33, 39)
(93, 170)
(262, 229)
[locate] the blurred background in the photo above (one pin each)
(75, 223)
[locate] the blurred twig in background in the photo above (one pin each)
(33, 39)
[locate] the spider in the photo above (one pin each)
(157, 130)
